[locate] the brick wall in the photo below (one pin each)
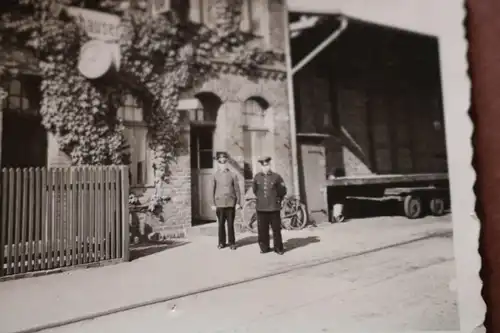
(233, 91)
(277, 12)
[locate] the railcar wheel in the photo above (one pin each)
(412, 206)
(437, 206)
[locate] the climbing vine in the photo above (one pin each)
(164, 55)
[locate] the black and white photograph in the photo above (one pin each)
(236, 166)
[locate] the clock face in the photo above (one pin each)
(95, 59)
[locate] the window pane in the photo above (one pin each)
(136, 137)
(199, 115)
(245, 15)
(129, 114)
(140, 143)
(192, 115)
(15, 87)
(183, 117)
(25, 103)
(140, 172)
(205, 138)
(193, 149)
(247, 170)
(260, 143)
(138, 115)
(206, 160)
(14, 103)
(194, 160)
(256, 15)
(120, 113)
(208, 9)
(195, 10)
(129, 100)
(247, 154)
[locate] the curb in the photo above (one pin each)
(164, 299)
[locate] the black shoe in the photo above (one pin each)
(280, 252)
(264, 251)
(221, 246)
(232, 247)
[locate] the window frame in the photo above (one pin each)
(196, 130)
(132, 125)
(23, 96)
(254, 133)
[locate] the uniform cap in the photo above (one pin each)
(264, 160)
(221, 154)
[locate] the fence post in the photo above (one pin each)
(3, 235)
(125, 212)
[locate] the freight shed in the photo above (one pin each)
(369, 115)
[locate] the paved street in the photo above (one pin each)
(399, 288)
(387, 272)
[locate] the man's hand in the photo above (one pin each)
(238, 206)
(213, 207)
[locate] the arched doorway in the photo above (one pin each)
(257, 135)
(203, 120)
(22, 129)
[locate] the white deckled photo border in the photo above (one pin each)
(445, 20)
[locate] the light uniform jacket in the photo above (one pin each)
(269, 189)
(226, 189)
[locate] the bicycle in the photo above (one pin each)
(293, 214)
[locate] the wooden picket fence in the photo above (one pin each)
(61, 217)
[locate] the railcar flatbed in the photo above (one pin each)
(387, 179)
(414, 191)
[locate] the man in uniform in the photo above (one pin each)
(269, 189)
(226, 197)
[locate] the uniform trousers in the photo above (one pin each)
(226, 214)
(264, 220)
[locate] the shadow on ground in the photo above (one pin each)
(146, 249)
(295, 243)
(247, 241)
(357, 208)
(290, 244)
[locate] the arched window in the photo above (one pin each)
(256, 135)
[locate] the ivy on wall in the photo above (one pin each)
(162, 55)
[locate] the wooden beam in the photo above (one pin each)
(343, 25)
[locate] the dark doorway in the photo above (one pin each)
(24, 139)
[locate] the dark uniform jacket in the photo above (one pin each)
(226, 189)
(269, 190)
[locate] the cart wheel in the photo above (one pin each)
(436, 206)
(413, 207)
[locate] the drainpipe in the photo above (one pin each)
(291, 102)
(291, 108)
(3, 95)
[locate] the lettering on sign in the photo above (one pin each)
(98, 25)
